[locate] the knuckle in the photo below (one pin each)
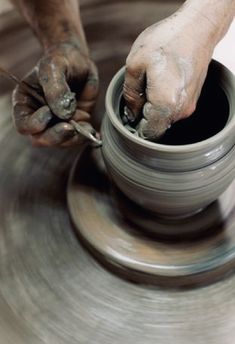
(134, 65)
(136, 56)
(134, 70)
(129, 61)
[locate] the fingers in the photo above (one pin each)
(157, 119)
(51, 76)
(134, 92)
(49, 80)
(167, 101)
(64, 134)
(81, 116)
(26, 119)
(35, 123)
(78, 138)
(90, 91)
(55, 135)
(159, 109)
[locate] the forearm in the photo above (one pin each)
(216, 15)
(53, 21)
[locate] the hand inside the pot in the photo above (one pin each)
(68, 81)
(168, 63)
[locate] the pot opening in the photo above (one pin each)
(209, 118)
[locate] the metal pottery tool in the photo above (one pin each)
(79, 128)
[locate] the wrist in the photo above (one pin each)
(71, 36)
(72, 44)
(212, 18)
(53, 22)
(61, 30)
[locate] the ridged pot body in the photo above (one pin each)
(169, 180)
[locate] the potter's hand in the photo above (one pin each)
(68, 81)
(65, 76)
(168, 63)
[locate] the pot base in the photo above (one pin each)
(143, 247)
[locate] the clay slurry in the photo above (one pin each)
(209, 118)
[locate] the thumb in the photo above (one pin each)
(51, 76)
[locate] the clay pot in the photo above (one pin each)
(170, 180)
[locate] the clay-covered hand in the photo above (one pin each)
(165, 71)
(67, 79)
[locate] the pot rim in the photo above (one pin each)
(160, 147)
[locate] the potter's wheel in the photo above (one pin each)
(52, 291)
(127, 237)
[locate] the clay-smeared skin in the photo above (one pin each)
(65, 75)
(166, 69)
(168, 62)
(51, 290)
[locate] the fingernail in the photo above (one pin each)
(66, 131)
(66, 106)
(68, 100)
(129, 114)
